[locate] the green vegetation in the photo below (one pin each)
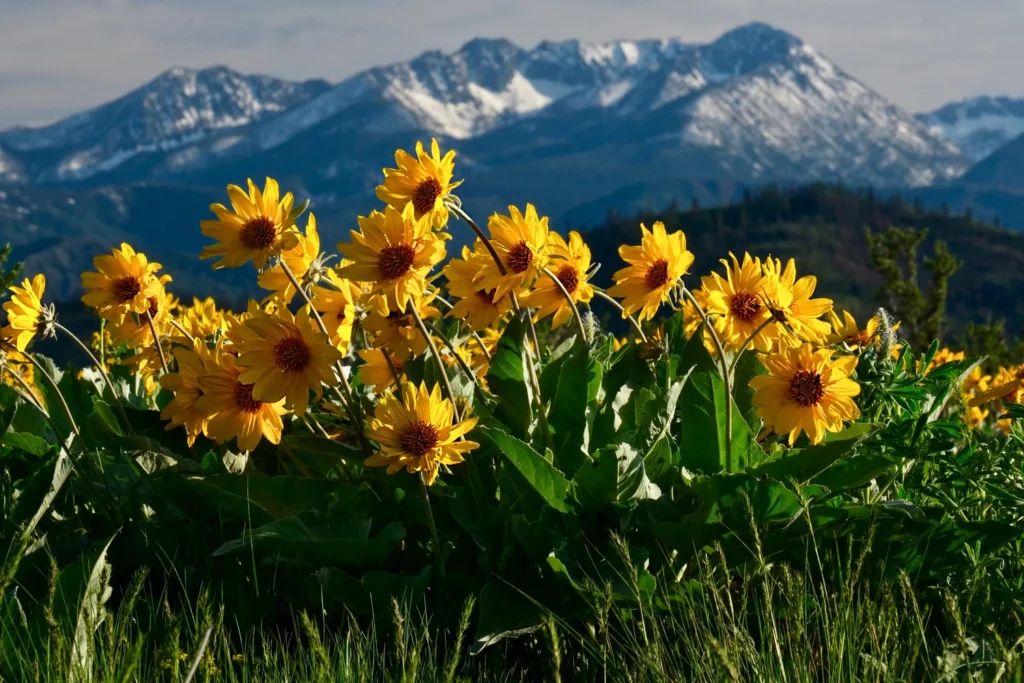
(823, 228)
(660, 551)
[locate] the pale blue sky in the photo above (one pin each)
(60, 56)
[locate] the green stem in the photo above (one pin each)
(459, 359)
(389, 360)
(572, 304)
(747, 343)
(156, 342)
(433, 527)
(103, 372)
(183, 331)
(437, 358)
(348, 400)
(725, 375)
(616, 304)
(472, 332)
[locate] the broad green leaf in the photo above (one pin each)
(850, 473)
(259, 498)
(690, 354)
(508, 378)
(737, 497)
(504, 613)
(803, 464)
(373, 593)
(77, 393)
(344, 545)
(548, 482)
(702, 416)
(578, 383)
(616, 474)
(747, 368)
(30, 443)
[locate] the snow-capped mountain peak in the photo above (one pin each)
(979, 125)
(177, 108)
(758, 102)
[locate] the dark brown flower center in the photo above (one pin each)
(805, 388)
(399, 366)
(520, 256)
(395, 260)
(257, 233)
(419, 438)
(425, 196)
(340, 316)
(291, 354)
(154, 307)
(244, 400)
(569, 278)
(486, 296)
(745, 306)
(126, 288)
(657, 274)
(859, 339)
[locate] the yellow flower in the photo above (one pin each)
(397, 332)
(184, 383)
(735, 304)
(654, 269)
(475, 305)
(135, 335)
(570, 263)
(1007, 386)
(395, 252)
(423, 183)
(18, 364)
(418, 433)
(299, 259)
(790, 301)
(806, 391)
(233, 411)
(337, 308)
(123, 283)
(692, 318)
(203, 319)
(260, 226)
(943, 356)
(375, 371)
(285, 357)
(976, 417)
(521, 242)
(24, 311)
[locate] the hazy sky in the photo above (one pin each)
(60, 56)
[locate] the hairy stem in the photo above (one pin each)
(103, 373)
(156, 342)
(631, 319)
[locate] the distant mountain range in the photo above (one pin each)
(577, 128)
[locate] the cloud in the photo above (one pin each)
(71, 54)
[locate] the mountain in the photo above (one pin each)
(823, 228)
(979, 125)
(1003, 168)
(755, 105)
(175, 110)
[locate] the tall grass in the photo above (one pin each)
(767, 624)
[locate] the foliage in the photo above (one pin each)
(8, 273)
(625, 508)
(894, 255)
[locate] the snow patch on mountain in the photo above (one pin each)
(980, 125)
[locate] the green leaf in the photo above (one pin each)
(344, 545)
(77, 393)
(549, 483)
(367, 595)
(299, 210)
(508, 378)
(504, 613)
(578, 384)
(747, 368)
(616, 474)
(803, 464)
(702, 414)
(690, 354)
(30, 443)
(769, 501)
(850, 473)
(261, 499)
